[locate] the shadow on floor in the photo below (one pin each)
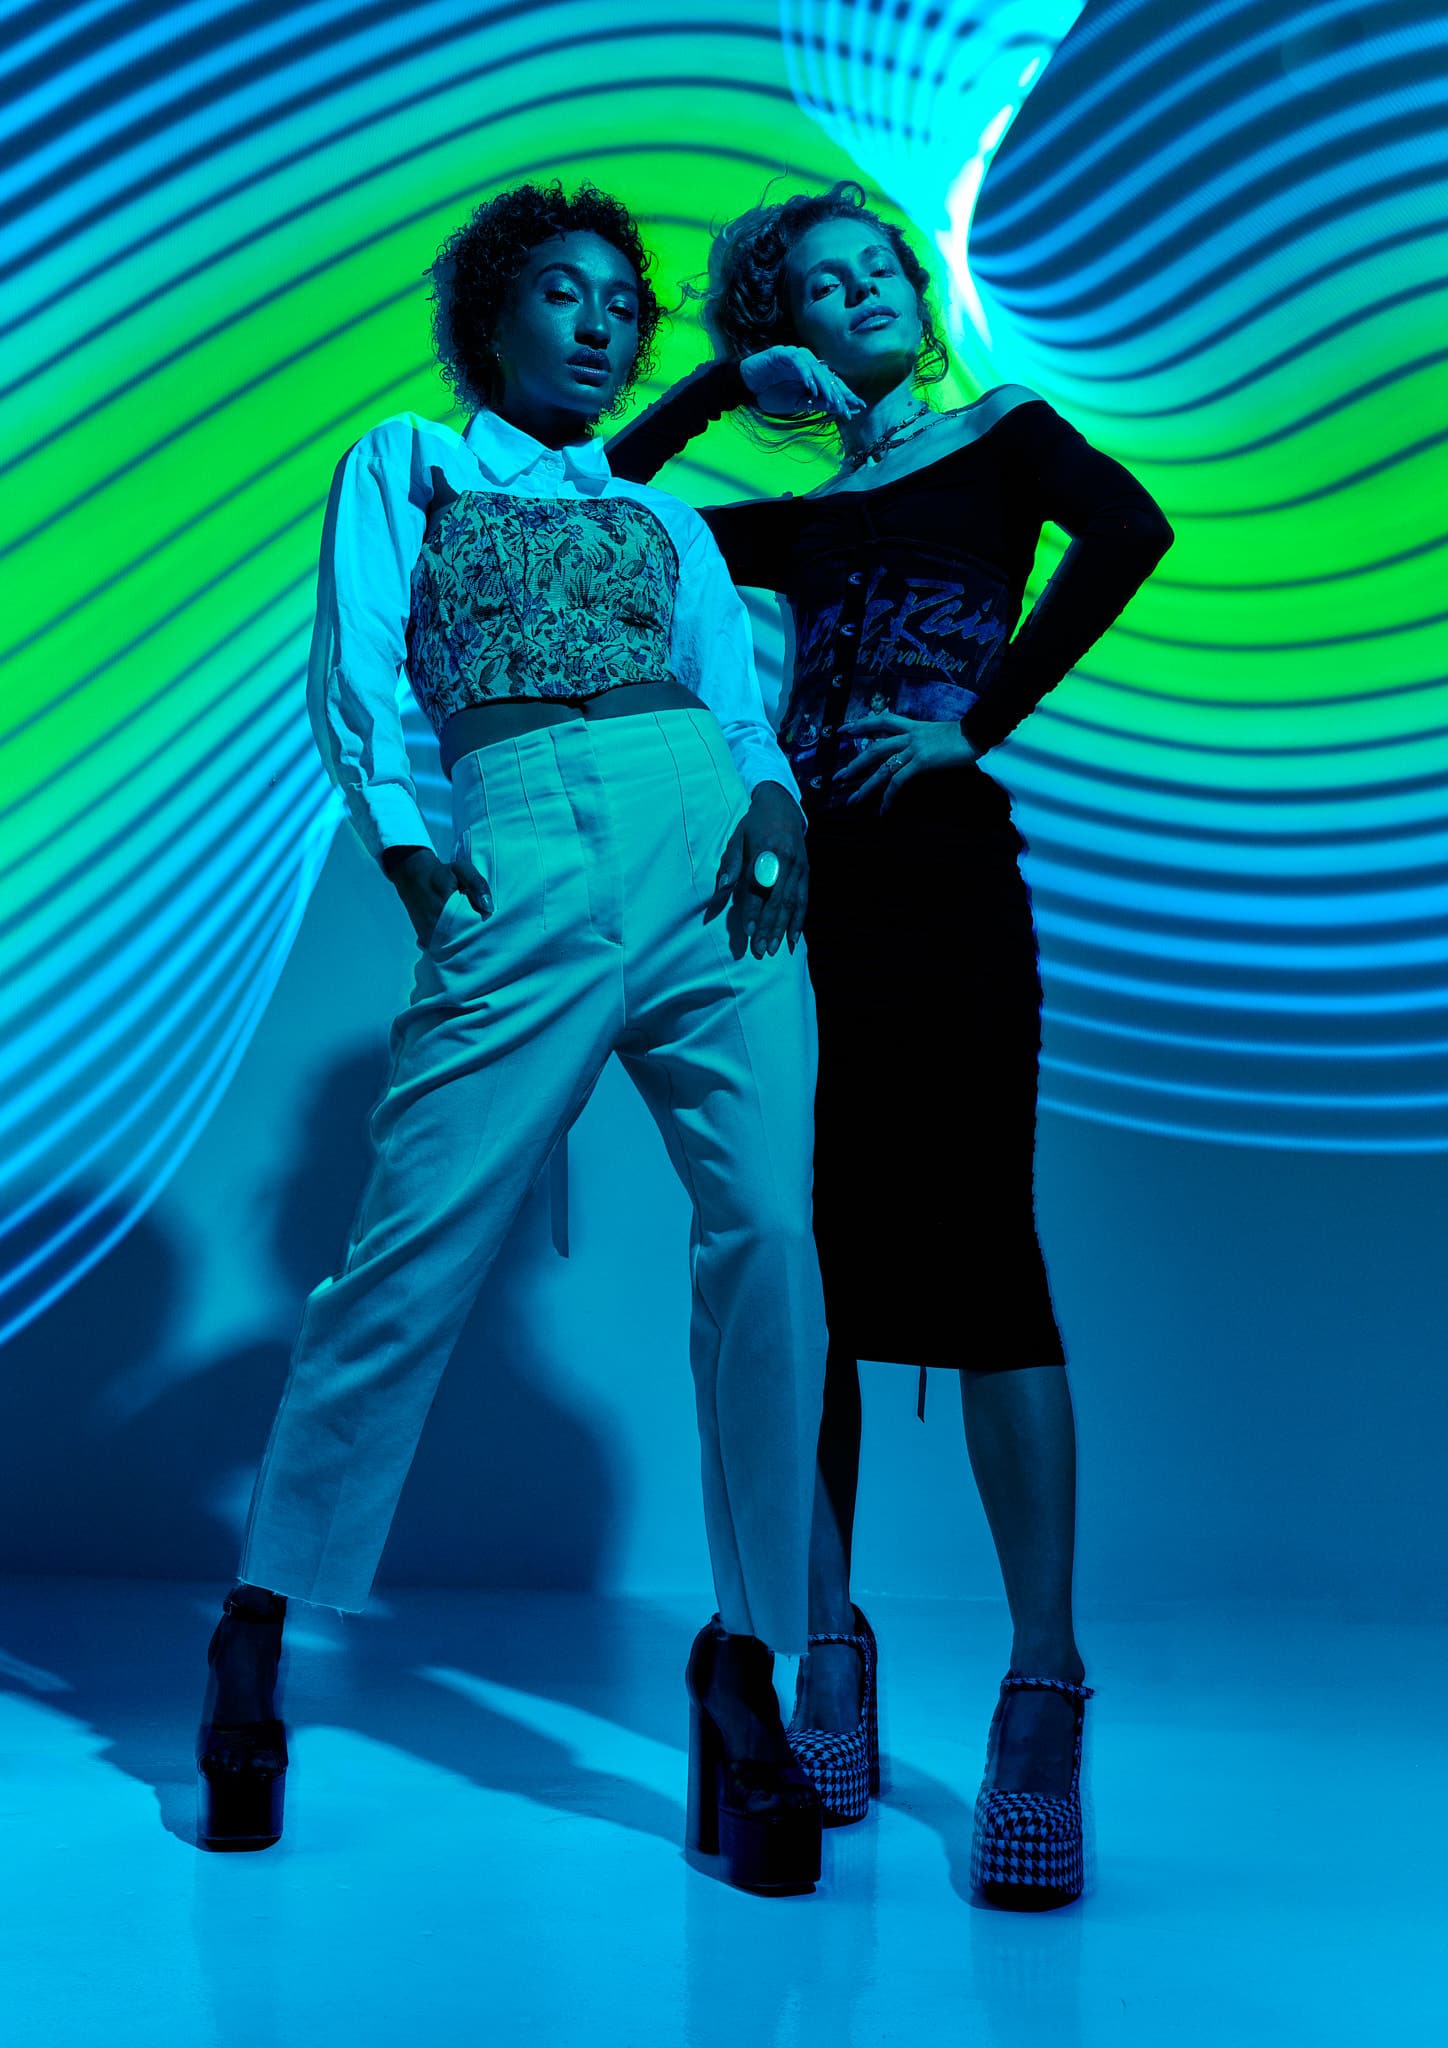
(119, 1451)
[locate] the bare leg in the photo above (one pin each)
(831, 1678)
(1021, 1435)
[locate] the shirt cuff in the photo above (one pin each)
(384, 816)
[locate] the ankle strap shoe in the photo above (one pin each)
(1029, 1848)
(844, 1765)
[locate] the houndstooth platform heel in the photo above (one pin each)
(844, 1767)
(1028, 1852)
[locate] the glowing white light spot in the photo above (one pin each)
(995, 129)
(954, 244)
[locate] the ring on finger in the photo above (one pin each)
(766, 869)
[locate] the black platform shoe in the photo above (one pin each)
(761, 1818)
(241, 1766)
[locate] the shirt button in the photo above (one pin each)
(827, 730)
(814, 782)
(837, 682)
(857, 577)
(848, 630)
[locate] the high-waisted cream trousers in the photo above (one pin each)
(601, 841)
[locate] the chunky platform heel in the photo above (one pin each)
(760, 1819)
(241, 1767)
(844, 1767)
(1028, 1852)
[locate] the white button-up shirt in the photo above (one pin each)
(375, 525)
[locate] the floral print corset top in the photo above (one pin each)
(537, 598)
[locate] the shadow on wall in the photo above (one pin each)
(125, 1459)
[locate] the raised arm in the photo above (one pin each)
(370, 539)
(743, 533)
(640, 450)
(752, 536)
(1118, 535)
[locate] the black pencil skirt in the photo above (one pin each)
(927, 983)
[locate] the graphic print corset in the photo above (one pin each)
(881, 627)
(537, 598)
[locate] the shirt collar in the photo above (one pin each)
(506, 452)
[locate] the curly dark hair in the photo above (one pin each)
(477, 266)
(744, 308)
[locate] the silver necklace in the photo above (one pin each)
(907, 428)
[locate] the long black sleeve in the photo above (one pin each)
(640, 450)
(1118, 535)
(750, 535)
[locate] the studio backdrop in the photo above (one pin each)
(1215, 237)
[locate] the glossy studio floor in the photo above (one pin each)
(484, 1827)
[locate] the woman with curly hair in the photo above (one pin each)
(903, 578)
(629, 848)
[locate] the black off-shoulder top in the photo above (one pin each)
(906, 597)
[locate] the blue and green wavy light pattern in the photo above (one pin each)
(1216, 249)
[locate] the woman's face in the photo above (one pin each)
(853, 305)
(568, 335)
